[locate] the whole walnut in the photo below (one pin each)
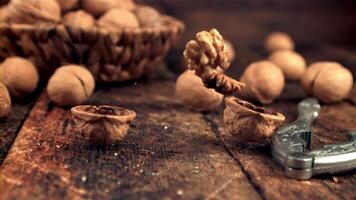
(70, 85)
(79, 19)
(192, 92)
(66, 5)
(249, 123)
(99, 7)
(5, 101)
(19, 75)
(264, 82)
(291, 63)
(116, 19)
(328, 81)
(279, 41)
(4, 13)
(34, 11)
(146, 15)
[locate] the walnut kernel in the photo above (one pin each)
(70, 85)
(19, 75)
(207, 55)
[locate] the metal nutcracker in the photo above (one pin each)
(291, 147)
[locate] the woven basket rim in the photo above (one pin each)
(171, 23)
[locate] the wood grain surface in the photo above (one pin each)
(172, 152)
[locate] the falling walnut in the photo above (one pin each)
(206, 54)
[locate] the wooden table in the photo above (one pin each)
(172, 152)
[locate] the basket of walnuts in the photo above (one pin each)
(117, 40)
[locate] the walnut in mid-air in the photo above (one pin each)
(207, 54)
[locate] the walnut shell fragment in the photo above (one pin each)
(192, 92)
(102, 125)
(250, 123)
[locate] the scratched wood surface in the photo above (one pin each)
(172, 152)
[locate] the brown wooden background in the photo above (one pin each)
(172, 152)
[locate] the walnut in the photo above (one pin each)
(19, 75)
(102, 125)
(146, 15)
(99, 7)
(264, 82)
(192, 92)
(117, 19)
(328, 81)
(206, 55)
(250, 123)
(5, 101)
(66, 5)
(4, 13)
(34, 11)
(79, 19)
(70, 85)
(279, 41)
(291, 63)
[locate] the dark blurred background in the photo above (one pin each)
(246, 23)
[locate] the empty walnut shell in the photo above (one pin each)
(102, 125)
(250, 123)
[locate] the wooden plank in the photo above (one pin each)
(10, 126)
(170, 153)
(268, 175)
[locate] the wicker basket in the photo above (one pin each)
(110, 56)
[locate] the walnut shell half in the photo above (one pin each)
(250, 123)
(102, 125)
